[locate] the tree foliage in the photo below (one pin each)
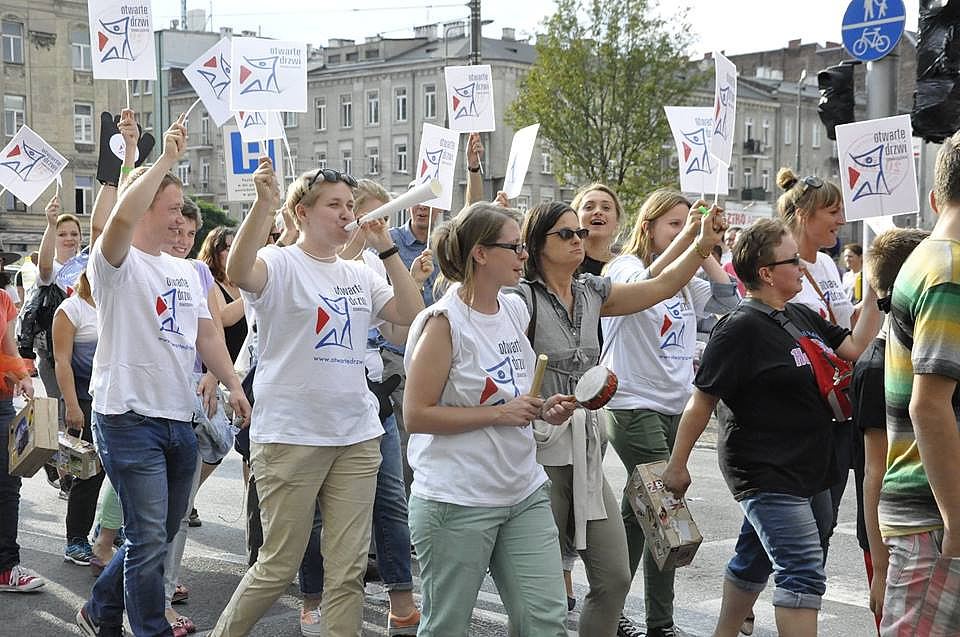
(213, 216)
(604, 72)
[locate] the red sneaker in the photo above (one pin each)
(20, 580)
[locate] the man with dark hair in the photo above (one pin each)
(919, 509)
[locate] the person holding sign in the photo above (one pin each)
(316, 428)
(565, 309)
(479, 499)
(473, 154)
(153, 319)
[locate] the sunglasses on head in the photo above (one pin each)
(332, 176)
(566, 234)
(794, 260)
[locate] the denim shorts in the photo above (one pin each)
(781, 534)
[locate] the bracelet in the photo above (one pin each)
(699, 250)
(126, 170)
(474, 170)
(389, 252)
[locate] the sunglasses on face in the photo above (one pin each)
(794, 260)
(566, 234)
(519, 248)
(332, 176)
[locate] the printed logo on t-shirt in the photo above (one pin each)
(336, 335)
(800, 357)
(167, 311)
(673, 325)
(500, 378)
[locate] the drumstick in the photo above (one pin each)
(538, 375)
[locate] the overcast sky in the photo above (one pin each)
(737, 26)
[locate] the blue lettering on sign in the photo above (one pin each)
(245, 155)
(872, 28)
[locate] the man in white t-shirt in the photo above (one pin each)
(153, 319)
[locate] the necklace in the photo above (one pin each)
(316, 258)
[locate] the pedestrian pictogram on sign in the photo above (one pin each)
(872, 28)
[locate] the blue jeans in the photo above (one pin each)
(150, 462)
(782, 534)
(390, 529)
(9, 495)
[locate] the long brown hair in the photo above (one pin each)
(213, 243)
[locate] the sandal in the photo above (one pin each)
(747, 627)
(180, 595)
(186, 623)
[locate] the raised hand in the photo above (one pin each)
(712, 226)
(128, 128)
(52, 211)
(265, 182)
(422, 267)
(175, 141)
(474, 150)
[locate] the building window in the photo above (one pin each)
(83, 194)
(148, 120)
(321, 159)
(14, 113)
(205, 130)
(373, 108)
(346, 160)
(83, 123)
(547, 165)
(748, 129)
(352, 57)
(766, 132)
(147, 87)
(13, 42)
(80, 44)
(400, 157)
(429, 101)
(289, 119)
(204, 175)
(747, 178)
(12, 203)
(765, 180)
(183, 172)
(815, 135)
(346, 111)
(731, 178)
(321, 106)
(134, 87)
(333, 59)
(787, 132)
(400, 104)
(373, 160)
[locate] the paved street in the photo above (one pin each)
(214, 562)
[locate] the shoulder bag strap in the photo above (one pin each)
(806, 273)
(532, 325)
(780, 317)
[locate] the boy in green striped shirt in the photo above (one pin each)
(919, 509)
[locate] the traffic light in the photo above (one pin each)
(936, 101)
(836, 97)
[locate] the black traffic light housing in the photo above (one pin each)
(836, 97)
(936, 101)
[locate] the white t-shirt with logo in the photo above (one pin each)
(312, 323)
(824, 271)
(492, 364)
(651, 351)
(149, 309)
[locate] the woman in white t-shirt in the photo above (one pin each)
(479, 500)
(315, 429)
(652, 354)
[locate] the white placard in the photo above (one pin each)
(470, 98)
(437, 159)
(121, 39)
(724, 108)
(521, 149)
(209, 75)
(877, 169)
(241, 159)
(258, 125)
(28, 165)
(691, 127)
(268, 75)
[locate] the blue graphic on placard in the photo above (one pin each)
(872, 28)
(334, 335)
(868, 173)
(217, 74)
(116, 40)
(699, 142)
(245, 156)
(21, 160)
(465, 101)
(261, 73)
(430, 166)
(722, 111)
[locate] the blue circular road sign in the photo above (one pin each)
(872, 28)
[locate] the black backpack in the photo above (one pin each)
(37, 319)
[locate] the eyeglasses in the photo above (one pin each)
(794, 260)
(519, 248)
(332, 176)
(566, 234)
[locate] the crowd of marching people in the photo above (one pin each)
(382, 387)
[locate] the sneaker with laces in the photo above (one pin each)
(665, 631)
(79, 552)
(310, 623)
(19, 580)
(626, 628)
(88, 627)
(406, 626)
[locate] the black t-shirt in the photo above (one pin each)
(591, 266)
(780, 438)
(866, 388)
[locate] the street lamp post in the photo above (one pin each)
(803, 76)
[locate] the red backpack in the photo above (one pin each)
(832, 373)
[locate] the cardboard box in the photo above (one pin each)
(33, 436)
(668, 527)
(77, 457)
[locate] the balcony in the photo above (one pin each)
(753, 147)
(753, 194)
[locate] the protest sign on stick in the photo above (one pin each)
(691, 127)
(268, 75)
(724, 108)
(437, 159)
(28, 165)
(521, 149)
(470, 98)
(121, 36)
(209, 75)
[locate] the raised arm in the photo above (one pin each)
(138, 197)
(243, 267)
(628, 298)
(680, 242)
(474, 154)
(869, 323)
(49, 241)
(407, 299)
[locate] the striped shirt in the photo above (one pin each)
(924, 339)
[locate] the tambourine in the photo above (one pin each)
(596, 387)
